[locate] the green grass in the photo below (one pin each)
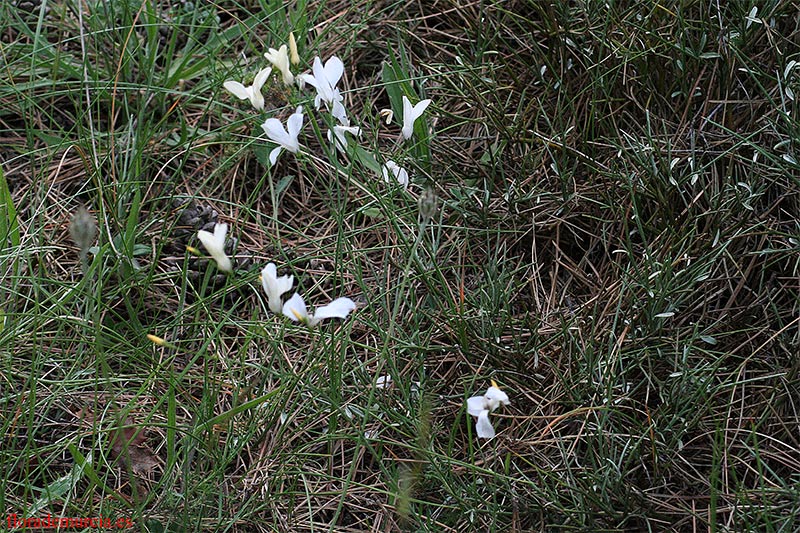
(615, 242)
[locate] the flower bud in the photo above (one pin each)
(428, 202)
(83, 229)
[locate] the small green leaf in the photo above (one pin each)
(141, 249)
(57, 489)
(9, 226)
(372, 212)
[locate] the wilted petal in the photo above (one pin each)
(388, 114)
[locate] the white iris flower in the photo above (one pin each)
(338, 133)
(251, 92)
(399, 173)
(481, 406)
(280, 60)
(324, 80)
(295, 309)
(411, 114)
(215, 244)
(286, 138)
(275, 286)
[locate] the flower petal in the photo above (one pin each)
(215, 245)
(420, 108)
(269, 272)
(237, 89)
(273, 155)
(220, 230)
(483, 426)
(275, 286)
(339, 112)
(294, 124)
(295, 309)
(334, 69)
(495, 397)
(257, 99)
(307, 78)
(261, 78)
(275, 130)
(411, 114)
(339, 308)
(475, 405)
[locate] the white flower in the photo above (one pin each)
(388, 114)
(411, 114)
(275, 286)
(324, 80)
(295, 309)
(215, 244)
(280, 60)
(400, 174)
(287, 140)
(481, 406)
(383, 382)
(251, 92)
(339, 133)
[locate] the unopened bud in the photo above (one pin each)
(293, 56)
(158, 341)
(427, 203)
(83, 229)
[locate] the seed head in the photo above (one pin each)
(83, 229)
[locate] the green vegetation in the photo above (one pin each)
(611, 232)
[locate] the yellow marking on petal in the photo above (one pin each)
(298, 315)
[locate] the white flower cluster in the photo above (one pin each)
(274, 286)
(324, 78)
